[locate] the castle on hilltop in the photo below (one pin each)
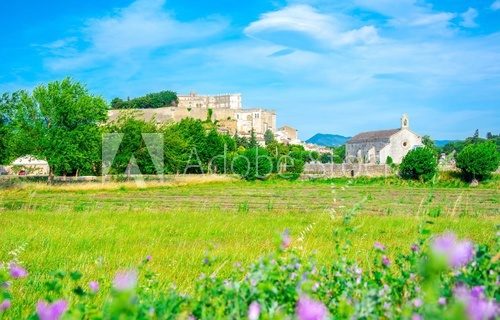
(226, 109)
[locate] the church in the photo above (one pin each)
(376, 146)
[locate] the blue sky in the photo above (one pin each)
(325, 66)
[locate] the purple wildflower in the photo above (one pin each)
(286, 240)
(94, 286)
(477, 306)
(416, 317)
(53, 311)
(377, 245)
(149, 258)
(385, 261)
(415, 247)
(16, 271)
(254, 311)
(417, 303)
(457, 253)
(125, 281)
(5, 305)
(308, 309)
(442, 301)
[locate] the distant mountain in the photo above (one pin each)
(328, 140)
(442, 143)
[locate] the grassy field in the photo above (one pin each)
(99, 229)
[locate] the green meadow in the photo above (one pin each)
(199, 227)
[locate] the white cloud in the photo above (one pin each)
(495, 5)
(303, 27)
(468, 18)
(412, 14)
(144, 25)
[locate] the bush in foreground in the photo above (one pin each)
(419, 164)
(478, 161)
(437, 278)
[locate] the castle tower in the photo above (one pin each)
(405, 121)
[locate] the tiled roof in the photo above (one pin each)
(372, 136)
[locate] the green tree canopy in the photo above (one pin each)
(419, 164)
(60, 123)
(478, 160)
(149, 101)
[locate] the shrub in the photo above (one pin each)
(478, 161)
(419, 164)
(253, 164)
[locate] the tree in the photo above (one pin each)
(132, 145)
(419, 164)
(151, 100)
(253, 164)
(252, 143)
(268, 137)
(60, 123)
(478, 161)
(429, 143)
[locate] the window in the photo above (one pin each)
(256, 115)
(405, 144)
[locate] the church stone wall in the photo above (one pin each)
(353, 150)
(401, 143)
(329, 170)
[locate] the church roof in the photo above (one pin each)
(372, 136)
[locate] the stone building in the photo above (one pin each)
(287, 135)
(225, 109)
(220, 101)
(376, 146)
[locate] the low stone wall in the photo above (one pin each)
(329, 170)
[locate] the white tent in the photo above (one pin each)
(30, 165)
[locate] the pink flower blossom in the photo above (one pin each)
(457, 253)
(254, 311)
(415, 247)
(94, 286)
(477, 306)
(53, 311)
(417, 303)
(378, 246)
(5, 305)
(308, 309)
(385, 261)
(16, 271)
(125, 281)
(286, 240)
(442, 301)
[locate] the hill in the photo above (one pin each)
(328, 140)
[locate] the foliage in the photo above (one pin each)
(419, 164)
(151, 100)
(430, 144)
(58, 122)
(479, 160)
(269, 136)
(253, 164)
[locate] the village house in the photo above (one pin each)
(287, 135)
(377, 146)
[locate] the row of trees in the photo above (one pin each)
(66, 125)
(476, 161)
(151, 100)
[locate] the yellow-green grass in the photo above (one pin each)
(101, 231)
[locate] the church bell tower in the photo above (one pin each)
(405, 121)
